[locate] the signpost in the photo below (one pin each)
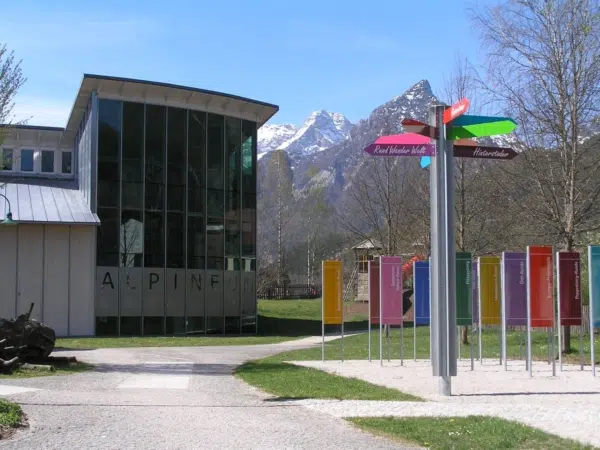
(464, 295)
(479, 126)
(445, 125)
(373, 279)
(469, 151)
(514, 295)
(332, 308)
(390, 295)
(489, 295)
(540, 297)
(421, 293)
(458, 109)
(475, 308)
(594, 286)
(568, 301)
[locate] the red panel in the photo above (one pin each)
(541, 286)
(374, 290)
(569, 274)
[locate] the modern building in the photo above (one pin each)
(138, 217)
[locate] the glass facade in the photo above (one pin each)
(177, 201)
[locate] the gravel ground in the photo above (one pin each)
(567, 404)
(212, 409)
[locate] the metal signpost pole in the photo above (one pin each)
(591, 308)
(503, 311)
(442, 295)
(558, 318)
(369, 294)
(529, 358)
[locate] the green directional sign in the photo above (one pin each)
(464, 289)
(464, 127)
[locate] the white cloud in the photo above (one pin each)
(44, 111)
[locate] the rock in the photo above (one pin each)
(26, 337)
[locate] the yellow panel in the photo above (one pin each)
(489, 289)
(333, 288)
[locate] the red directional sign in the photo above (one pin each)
(401, 149)
(458, 109)
(472, 151)
(417, 127)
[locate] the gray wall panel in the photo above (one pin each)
(30, 269)
(154, 292)
(214, 293)
(196, 289)
(107, 291)
(81, 288)
(56, 279)
(8, 272)
(175, 292)
(131, 291)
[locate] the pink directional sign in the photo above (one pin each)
(390, 288)
(407, 144)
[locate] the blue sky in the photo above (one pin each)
(346, 57)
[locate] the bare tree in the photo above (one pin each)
(11, 80)
(276, 208)
(544, 69)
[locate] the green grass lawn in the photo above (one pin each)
(303, 309)
(10, 414)
(57, 369)
(465, 433)
(166, 341)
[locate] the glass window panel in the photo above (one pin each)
(154, 239)
(132, 238)
(155, 157)
(176, 240)
(47, 160)
(27, 160)
(109, 144)
(248, 218)
(249, 156)
(109, 128)
(233, 147)
(7, 159)
(133, 155)
(66, 162)
(196, 156)
(107, 240)
(215, 203)
(232, 224)
(176, 135)
(215, 151)
(195, 250)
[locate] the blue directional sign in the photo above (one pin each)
(421, 293)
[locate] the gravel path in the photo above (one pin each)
(124, 404)
(567, 405)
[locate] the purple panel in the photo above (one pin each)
(515, 288)
(475, 292)
(390, 272)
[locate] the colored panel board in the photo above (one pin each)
(421, 289)
(594, 279)
(374, 291)
(515, 288)
(489, 289)
(390, 272)
(541, 286)
(569, 279)
(332, 292)
(464, 288)
(475, 272)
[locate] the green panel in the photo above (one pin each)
(486, 126)
(464, 289)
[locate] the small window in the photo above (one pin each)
(7, 159)
(27, 160)
(47, 160)
(66, 162)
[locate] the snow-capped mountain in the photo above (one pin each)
(271, 137)
(321, 130)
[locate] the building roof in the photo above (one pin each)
(46, 202)
(368, 244)
(167, 94)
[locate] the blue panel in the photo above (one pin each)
(594, 268)
(421, 287)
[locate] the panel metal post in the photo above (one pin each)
(503, 311)
(443, 259)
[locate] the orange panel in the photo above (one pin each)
(333, 288)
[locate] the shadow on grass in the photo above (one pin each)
(276, 326)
